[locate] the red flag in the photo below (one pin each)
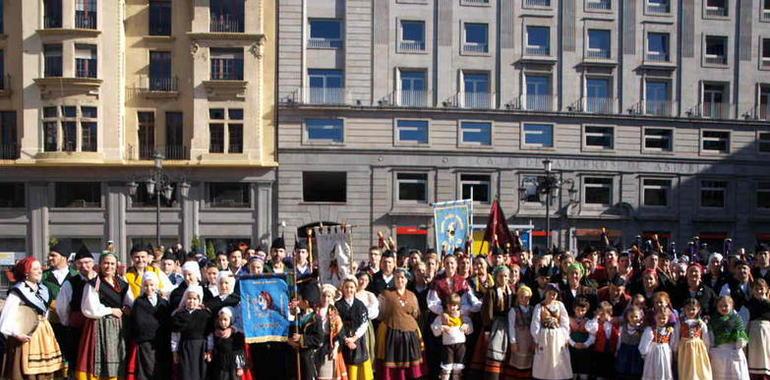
(497, 232)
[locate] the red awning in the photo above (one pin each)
(713, 235)
(410, 230)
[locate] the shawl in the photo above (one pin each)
(38, 300)
(728, 329)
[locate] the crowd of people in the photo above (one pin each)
(601, 313)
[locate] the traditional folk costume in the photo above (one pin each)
(373, 311)
(656, 347)
(311, 339)
(492, 345)
(134, 280)
(629, 363)
(581, 331)
(399, 343)
(520, 360)
(693, 356)
(728, 361)
(148, 325)
(54, 279)
(759, 344)
(190, 340)
(355, 322)
(41, 357)
(70, 315)
(453, 343)
(228, 356)
(605, 346)
(331, 365)
(102, 346)
(550, 330)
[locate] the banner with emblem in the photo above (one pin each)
(453, 224)
(264, 308)
(334, 253)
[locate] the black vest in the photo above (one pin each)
(78, 286)
(147, 320)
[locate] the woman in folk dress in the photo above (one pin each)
(759, 331)
(522, 348)
(550, 330)
(657, 346)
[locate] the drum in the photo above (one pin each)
(28, 320)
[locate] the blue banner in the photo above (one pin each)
(265, 308)
(452, 224)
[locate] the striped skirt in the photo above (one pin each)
(102, 350)
(40, 358)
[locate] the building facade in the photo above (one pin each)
(653, 112)
(94, 89)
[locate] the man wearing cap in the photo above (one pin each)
(615, 293)
(53, 278)
(141, 258)
(761, 263)
(69, 300)
(278, 253)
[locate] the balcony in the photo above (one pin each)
(411, 46)
(5, 86)
(410, 98)
(716, 11)
(324, 43)
(598, 105)
(656, 57)
(325, 95)
(476, 2)
(52, 22)
(9, 151)
(765, 16)
(599, 4)
(475, 48)
(714, 110)
(538, 103)
(658, 108)
(158, 87)
(52, 67)
(85, 20)
(472, 100)
(226, 24)
(85, 68)
(715, 59)
(658, 8)
(764, 111)
(227, 69)
(147, 152)
(537, 3)
(537, 51)
(597, 54)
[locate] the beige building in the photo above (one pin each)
(94, 89)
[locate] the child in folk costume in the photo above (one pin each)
(628, 360)
(227, 359)
(550, 330)
(656, 346)
(521, 348)
(148, 325)
(660, 301)
(759, 330)
(607, 337)
(309, 335)
(329, 358)
(355, 322)
(452, 327)
(191, 344)
(728, 335)
(494, 318)
(693, 358)
(581, 336)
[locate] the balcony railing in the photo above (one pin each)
(598, 105)
(765, 16)
(542, 103)
(713, 110)
(657, 8)
(226, 24)
(599, 4)
(325, 95)
(715, 59)
(5, 82)
(764, 111)
(658, 108)
(410, 98)
(324, 43)
(472, 100)
(537, 3)
(159, 84)
(53, 66)
(9, 151)
(85, 20)
(765, 61)
(537, 51)
(657, 57)
(226, 69)
(147, 152)
(52, 22)
(475, 48)
(175, 152)
(85, 68)
(411, 46)
(598, 53)
(716, 11)
(476, 2)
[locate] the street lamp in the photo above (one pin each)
(159, 185)
(547, 185)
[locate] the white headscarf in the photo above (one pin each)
(149, 276)
(196, 289)
(193, 268)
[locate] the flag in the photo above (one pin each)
(497, 232)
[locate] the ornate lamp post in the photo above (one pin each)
(547, 186)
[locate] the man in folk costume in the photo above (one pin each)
(383, 280)
(278, 253)
(53, 278)
(141, 258)
(69, 300)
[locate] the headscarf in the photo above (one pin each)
(148, 275)
(196, 289)
(22, 269)
(193, 268)
(576, 267)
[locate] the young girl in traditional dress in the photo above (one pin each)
(330, 364)
(656, 346)
(494, 318)
(693, 358)
(522, 348)
(550, 330)
(660, 301)
(355, 323)
(607, 337)
(148, 326)
(729, 338)
(227, 359)
(629, 363)
(452, 327)
(581, 337)
(759, 331)
(191, 345)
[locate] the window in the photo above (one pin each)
(85, 61)
(476, 133)
(537, 3)
(231, 120)
(52, 57)
(160, 72)
(226, 64)
(78, 194)
(326, 86)
(144, 199)
(538, 96)
(658, 6)
(765, 10)
(412, 92)
(764, 102)
(160, 18)
(716, 50)
(324, 130)
(412, 131)
(715, 142)
(60, 129)
(599, 95)
(763, 142)
(658, 139)
(766, 52)
(713, 103)
(12, 195)
(175, 149)
(476, 90)
(476, 38)
(716, 8)
(657, 101)
(229, 195)
(476, 186)
(52, 12)
(657, 47)
(598, 4)
(412, 187)
(325, 34)
(529, 184)
(599, 137)
(598, 44)
(324, 187)
(85, 14)
(656, 192)
(713, 194)
(227, 16)
(146, 134)
(597, 191)
(9, 146)
(538, 135)
(763, 195)
(412, 36)
(538, 41)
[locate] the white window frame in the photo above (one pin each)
(401, 39)
(586, 186)
(651, 186)
(398, 183)
(703, 188)
(707, 8)
(78, 119)
(306, 132)
(461, 134)
(397, 135)
(524, 133)
(330, 43)
(657, 150)
(704, 139)
(764, 61)
(609, 41)
(726, 55)
(488, 183)
(587, 134)
(526, 40)
(648, 6)
(487, 46)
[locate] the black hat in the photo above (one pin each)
(618, 281)
(741, 263)
(401, 252)
(83, 253)
(300, 244)
(278, 243)
(189, 255)
(181, 255)
(545, 272)
(388, 253)
(58, 248)
(496, 251)
(169, 255)
(309, 291)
